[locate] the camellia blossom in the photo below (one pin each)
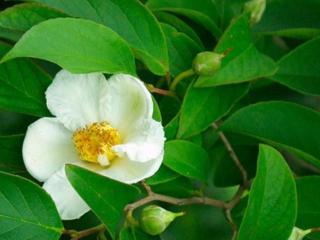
(102, 125)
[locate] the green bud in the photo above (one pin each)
(207, 63)
(154, 219)
(298, 234)
(256, 9)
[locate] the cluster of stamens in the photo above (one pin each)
(94, 143)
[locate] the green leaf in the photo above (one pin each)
(14, 124)
(200, 222)
(243, 63)
(130, 19)
(163, 175)
(202, 106)
(187, 159)
(171, 128)
(299, 69)
(291, 18)
(180, 25)
(156, 111)
(308, 203)
(106, 197)
(271, 211)
(11, 155)
(26, 211)
(204, 14)
(283, 124)
(22, 17)
(102, 50)
(22, 86)
(182, 49)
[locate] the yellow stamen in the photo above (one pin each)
(94, 143)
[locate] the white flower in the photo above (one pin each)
(104, 126)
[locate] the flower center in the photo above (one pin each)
(94, 143)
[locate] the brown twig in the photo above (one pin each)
(175, 201)
(234, 226)
(233, 155)
(160, 91)
(75, 235)
(317, 229)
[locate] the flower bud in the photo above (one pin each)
(256, 9)
(207, 63)
(154, 219)
(298, 234)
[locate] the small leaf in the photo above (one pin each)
(130, 19)
(271, 211)
(24, 82)
(187, 159)
(202, 106)
(102, 50)
(22, 17)
(299, 69)
(106, 197)
(204, 14)
(243, 62)
(283, 124)
(27, 211)
(181, 49)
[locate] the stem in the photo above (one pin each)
(180, 77)
(174, 201)
(317, 229)
(234, 226)
(233, 155)
(75, 235)
(160, 91)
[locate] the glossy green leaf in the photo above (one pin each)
(271, 211)
(130, 19)
(308, 203)
(172, 127)
(200, 222)
(204, 13)
(163, 175)
(11, 154)
(106, 197)
(182, 50)
(243, 62)
(26, 211)
(187, 159)
(180, 25)
(202, 106)
(291, 18)
(299, 69)
(22, 17)
(24, 82)
(102, 50)
(283, 124)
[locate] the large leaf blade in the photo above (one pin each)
(299, 69)
(106, 197)
(138, 26)
(83, 46)
(26, 211)
(283, 124)
(272, 199)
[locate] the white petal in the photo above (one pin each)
(47, 147)
(68, 202)
(75, 98)
(126, 102)
(126, 171)
(144, 143)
